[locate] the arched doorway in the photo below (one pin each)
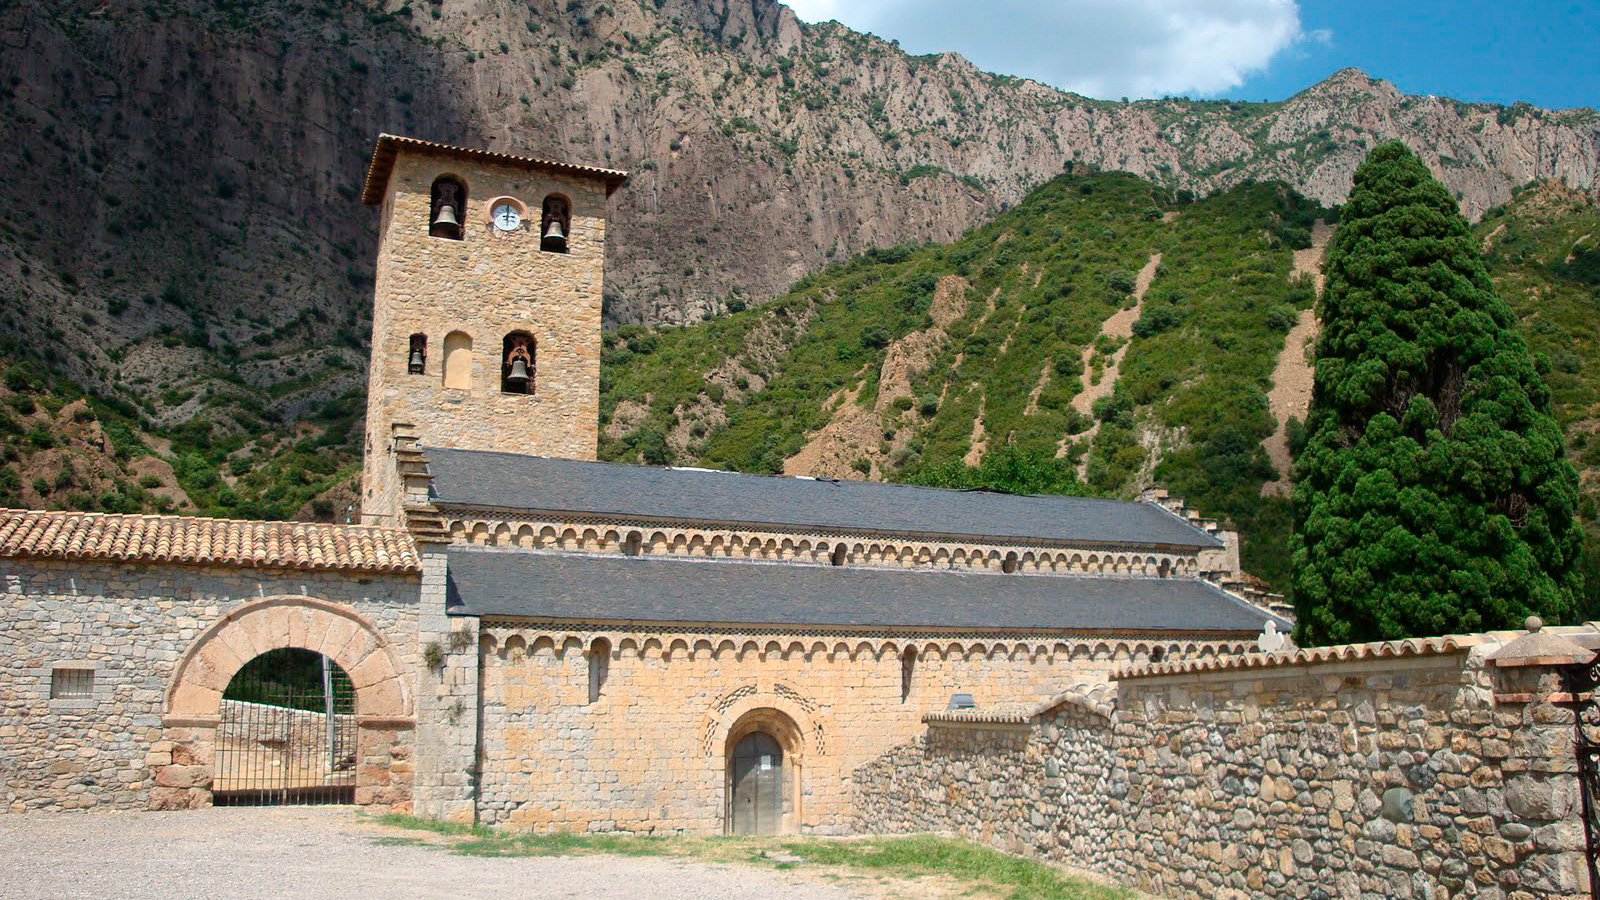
(184, 764)
(286, 732)
(756, 783)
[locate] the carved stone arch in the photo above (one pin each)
(697, 544)
(458, 531)
(650, 648)
(542, 644)
(795, 650)
(701, 650)
(571, 645)
(840, 650)
(478, 533)
(725, 648)
(680, 543)
(515, 647)
(349, 639)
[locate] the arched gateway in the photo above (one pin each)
(253, 713)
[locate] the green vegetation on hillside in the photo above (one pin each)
(1433, 493)
(746, 392)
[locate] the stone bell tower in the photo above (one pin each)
(486, 309)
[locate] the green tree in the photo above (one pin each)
(1008, 469)
(1433, 495)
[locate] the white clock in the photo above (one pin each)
(506, 217)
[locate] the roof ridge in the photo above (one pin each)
(7, 511)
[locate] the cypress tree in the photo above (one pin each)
(1433, 495)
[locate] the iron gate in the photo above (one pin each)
(287, 733)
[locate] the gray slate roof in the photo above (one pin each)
(514, 482)
(497, 582)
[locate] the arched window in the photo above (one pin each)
(555, 224)
(458, 361)
(908, 669)
(1165, 568)
(599, 667)
(1158, 654)
(448, 208)
(633, 544)
(840, 553)
(417, 355)
(516, 363)
(1009, 564)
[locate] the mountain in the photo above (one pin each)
(1105, 329)
(183, 250)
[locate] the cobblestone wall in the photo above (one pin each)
(130, 624)
(1400, 778)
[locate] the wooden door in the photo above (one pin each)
(757, 785)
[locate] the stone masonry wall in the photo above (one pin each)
(649, 753)
(1387, 778)
(486, 285)
(131, 623)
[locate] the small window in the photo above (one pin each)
(555, 224)
(458, 360)
(417, 355)
(447, 207)
(1158, 654)
(633, 544)
(1009, 565)
(516, 363)
(840, 554)
(908, 670)
(599, 667)
(71, 684)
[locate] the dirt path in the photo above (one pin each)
(1118, 325)
(1290, 396)
(328, 853)
(979, 439)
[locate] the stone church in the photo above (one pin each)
(520, 635)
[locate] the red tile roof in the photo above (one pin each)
(192, 540)
(390, 145)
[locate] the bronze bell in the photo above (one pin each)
(417, 364)
(518, 377)
(554, 239)
(446, 220)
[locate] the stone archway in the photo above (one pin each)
(756, 726)
(182, 761)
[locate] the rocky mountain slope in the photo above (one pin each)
(182, 244)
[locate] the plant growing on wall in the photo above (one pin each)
(1433, 495)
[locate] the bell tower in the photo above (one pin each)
(486, 307)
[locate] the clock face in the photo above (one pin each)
(506, 217)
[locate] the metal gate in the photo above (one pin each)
(287, 733)
(757, 782)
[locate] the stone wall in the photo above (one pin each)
(485, 285)
(646, 748)
(133, 624)
(1384, 777)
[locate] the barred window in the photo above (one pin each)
(71, 684)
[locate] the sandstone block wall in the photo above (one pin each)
(649, 753)
(131, 624)
(486, 285)
(1390, 778)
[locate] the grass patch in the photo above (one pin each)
(981, 870)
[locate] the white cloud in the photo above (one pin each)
(1102, 48)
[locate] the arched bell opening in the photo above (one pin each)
(286, 732)
(417, 355)
(517, 363)
(763, 755)
(445, 211)
(555, 224)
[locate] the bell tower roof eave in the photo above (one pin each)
(388, 148)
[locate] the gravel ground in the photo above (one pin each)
(311, 853)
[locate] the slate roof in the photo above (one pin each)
(514, 482)
(497, 582)
(194, 540)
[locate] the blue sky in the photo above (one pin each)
(1546, 52)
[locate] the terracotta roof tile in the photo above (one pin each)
(1434, 646)
(187, 539)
